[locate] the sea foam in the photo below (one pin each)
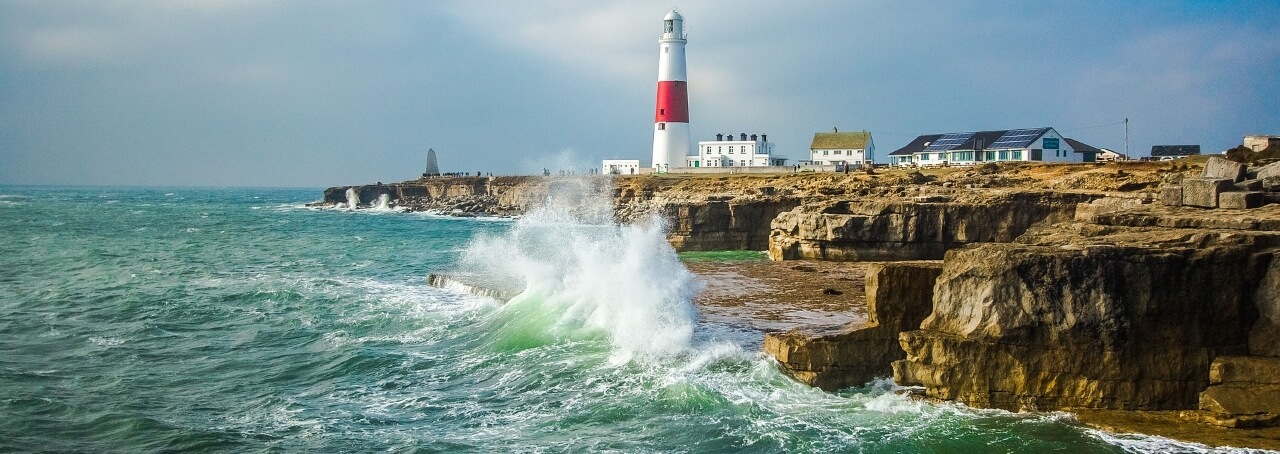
(585, 276)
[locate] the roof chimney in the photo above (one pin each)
(743, 136)
(754, 137)
(833, 129)
(719, 137)
(764, 137)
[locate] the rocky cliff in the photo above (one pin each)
(700, 214)
(899, 296)
(1092, 315)
(916, 228)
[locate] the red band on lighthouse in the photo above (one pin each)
(673, 102)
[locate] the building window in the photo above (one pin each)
(742, 163)
(824, 152)
(1017, 155)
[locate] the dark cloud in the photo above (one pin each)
(235, 92)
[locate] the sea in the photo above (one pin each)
(242, 320)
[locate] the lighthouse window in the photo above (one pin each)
(670, 26)
(662, 126)
(666, 49)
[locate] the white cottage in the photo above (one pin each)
(841, 148)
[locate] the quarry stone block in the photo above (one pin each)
(1171, 196)
(1269, 170)
(1270, 183)
(1240, 200)
(1203, 192)
(1224, 168)
(1249, 185)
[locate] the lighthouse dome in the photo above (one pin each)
(673, 15)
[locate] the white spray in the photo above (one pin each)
(585, 274)
(353, 198)
(383, 203)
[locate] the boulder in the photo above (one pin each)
(1240, 200)
(1249, 185)
(1203, 192)
(1245, 391)
(1171, 196)
(1271, 183)
(899, 296)
(1267, 171)
(1219, 168)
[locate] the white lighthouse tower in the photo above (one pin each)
(671, 117)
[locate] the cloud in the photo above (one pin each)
(73, 44)
(586, 36)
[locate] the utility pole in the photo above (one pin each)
(1126, 137)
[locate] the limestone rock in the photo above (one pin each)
(1249, 185)
(1203, 192)
(1171, 195)
(713, 225)
(1219, 168)
(1264, 337)
(1245, 391)
(879, 229)
(899, 296)
(1240, 200)
(1268, 171)
(1097, 322)
(1257, 370)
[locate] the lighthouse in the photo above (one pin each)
(671, 115)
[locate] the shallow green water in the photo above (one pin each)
(723, 256)
(234, 320)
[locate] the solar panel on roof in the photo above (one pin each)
(949, 141)
(1017, 138)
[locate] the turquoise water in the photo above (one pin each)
(238, 320)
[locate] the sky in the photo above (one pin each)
(316, 93)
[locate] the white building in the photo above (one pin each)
(969, 148)
(1109, 155)
(620, 167)
(842, 148)
(753, 151)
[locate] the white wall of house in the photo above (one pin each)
(733, 153)
(1049, 147)
(833, 156)
(620, 166)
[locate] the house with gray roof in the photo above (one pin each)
(969, 148)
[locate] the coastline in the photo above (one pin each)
(1096, 244)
